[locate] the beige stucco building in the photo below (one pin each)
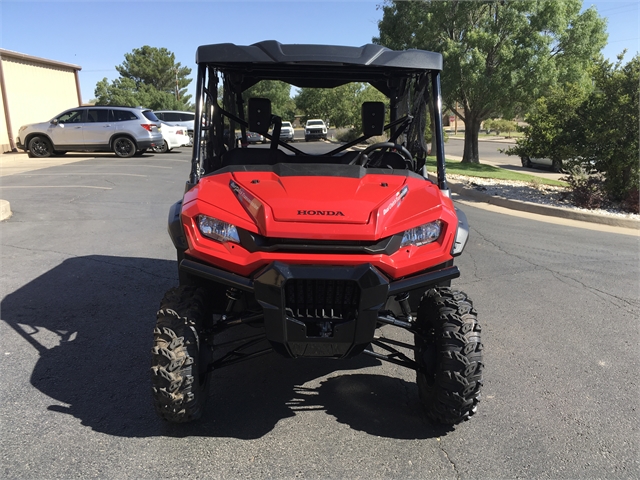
(33, 90)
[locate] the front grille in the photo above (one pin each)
(322, 300)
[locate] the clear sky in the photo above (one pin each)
(97, 34)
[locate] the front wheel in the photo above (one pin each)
(526, 162)
(40, 147)
(124, 147)
(181, 355)
(449, 352)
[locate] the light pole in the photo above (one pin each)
(175, 70)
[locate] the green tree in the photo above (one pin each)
(149, 77)
(499, 56)
(549, 131)
(610, 122)
(340, 105)
(598, 128)
(280, 95)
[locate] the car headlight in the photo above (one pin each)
(422, 235)
(217, 229)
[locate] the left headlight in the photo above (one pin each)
(422, 235)
(217, 229)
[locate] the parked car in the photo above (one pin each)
(315, 129)
(533, 162)
(252, 137)
(178, 118)
(286, 132)
(173, 137)
(126, 131)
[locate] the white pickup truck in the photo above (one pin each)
(315, 129)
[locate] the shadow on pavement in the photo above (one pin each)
(91, 320)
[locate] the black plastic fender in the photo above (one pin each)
(175, 227)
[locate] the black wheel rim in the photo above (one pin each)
(39, 148)
(123, 147)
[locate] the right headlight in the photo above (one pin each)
(217, 229)
(422, 235)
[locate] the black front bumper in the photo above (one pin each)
(320, 311)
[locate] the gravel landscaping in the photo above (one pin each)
(530, 192)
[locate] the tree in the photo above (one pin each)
(340, 105)
(499, 56)
(598, 129)
(550, 125)
(279, 93)
(149, 77)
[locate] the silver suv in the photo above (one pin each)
(125, 131)
(178, 119)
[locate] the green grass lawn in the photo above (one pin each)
(489, 171)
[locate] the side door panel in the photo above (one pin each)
(68, 132)
(98, 128)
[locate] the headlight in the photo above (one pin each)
(427, 233)
(217, 229)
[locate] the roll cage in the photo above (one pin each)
(409, 79)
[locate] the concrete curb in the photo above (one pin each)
(5, 210)
(471, 194)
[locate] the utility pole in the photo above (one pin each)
(175, 70)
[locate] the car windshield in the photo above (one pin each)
(315, 122)
(286, 124)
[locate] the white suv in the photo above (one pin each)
(125, 131)
(315, 129)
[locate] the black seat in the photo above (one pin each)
(253, 156)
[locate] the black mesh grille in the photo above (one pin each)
(322, 299)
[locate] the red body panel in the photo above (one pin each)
(321, 208)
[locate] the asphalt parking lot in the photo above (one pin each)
(86, 259)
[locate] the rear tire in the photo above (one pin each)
(40, 147)
(180, 355)
(124, 147)
(163, 148)
(449, 353)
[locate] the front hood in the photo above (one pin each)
(320, 199)
(361, 205)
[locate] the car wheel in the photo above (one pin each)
(526, 162)
(40, 147)
(124, 147)
(162, 148)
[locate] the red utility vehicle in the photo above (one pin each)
(317, 251)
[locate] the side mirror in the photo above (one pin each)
(259, 115)
(372, 118)
(54, 121)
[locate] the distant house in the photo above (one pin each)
(33, 90)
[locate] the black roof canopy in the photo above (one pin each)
(323, 66)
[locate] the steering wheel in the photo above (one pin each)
(364, 159)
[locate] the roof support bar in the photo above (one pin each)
(437, 121)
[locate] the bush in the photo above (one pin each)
(585, 191)
(347, 134)
(631, 203)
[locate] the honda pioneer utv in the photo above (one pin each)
(318, 251)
